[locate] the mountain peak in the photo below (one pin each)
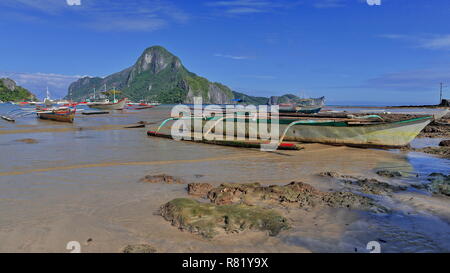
(155, 59)
(156, 75)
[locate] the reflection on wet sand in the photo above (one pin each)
(83, 185)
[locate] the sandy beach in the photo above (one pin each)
(81, 182)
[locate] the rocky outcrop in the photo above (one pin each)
(161, 178)
(139, 248)
(10, 91)
(369, 185)
(294, 194)
(157, 75)
(209, 220)
(8, 83)
(439, 184)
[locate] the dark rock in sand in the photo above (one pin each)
(445, 143)
(294, 194)
(439, 151)
(28, 140)
(389, 173)
(139, 248)
(440, 184)
(199, 189)
(208, 220)
(436, 130)
(161, 178)
(369, 185)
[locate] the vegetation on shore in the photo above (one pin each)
(9, 91)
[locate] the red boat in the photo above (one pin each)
(63, 114)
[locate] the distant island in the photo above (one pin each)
(10, 91)
(159, 75)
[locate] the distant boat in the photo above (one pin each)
(109, 105)
(294, 108)
(312, 102)
(63, 114)
(303, 106)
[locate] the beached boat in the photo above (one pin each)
(294, 108)
(109, 105)
(368, 132)
(303, 106)
(57, 114)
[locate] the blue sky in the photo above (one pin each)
(349, 51)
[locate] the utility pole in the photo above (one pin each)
(440, 96)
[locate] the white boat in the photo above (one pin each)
(109, 105)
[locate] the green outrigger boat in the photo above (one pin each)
(370, 131)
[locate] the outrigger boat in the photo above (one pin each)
(368, 131)
(303, 106)
(109, 105)
(63, 114)
(294, 108)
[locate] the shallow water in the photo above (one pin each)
(80, 181)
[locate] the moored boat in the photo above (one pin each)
(109, 105)
(294, 108)
(63, 114)
(368, 132)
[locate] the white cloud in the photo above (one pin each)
(236, 7)
(105, 15)
(231, 56)
(73, 2)
(38, 82)
(324, 4)
(410, 81)
(428, 41)
(260, 77)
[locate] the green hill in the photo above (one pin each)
(157, 75)
(10, 91)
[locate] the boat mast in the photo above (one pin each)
(94, 93)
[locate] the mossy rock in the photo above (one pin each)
(209, 220)
(294, 194)
(440, 184)
(139, 248)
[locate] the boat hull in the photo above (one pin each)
(387, 135)
(390, 135)
(109, 106)
(58, 117)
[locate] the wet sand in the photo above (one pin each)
(83, 185)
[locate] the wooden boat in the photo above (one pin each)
(9, 119)
(109, 105)
(368, 132)
(295, 108)
(57, 114)
(303, 106)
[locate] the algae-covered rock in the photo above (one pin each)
(161, 178)
(139, 248)
(441, 151)
(294, 194)
(374, 186)
(390, 173)
(370, 185)
(28, 140)
(199, 189)
(440, 184)
(208, 220)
